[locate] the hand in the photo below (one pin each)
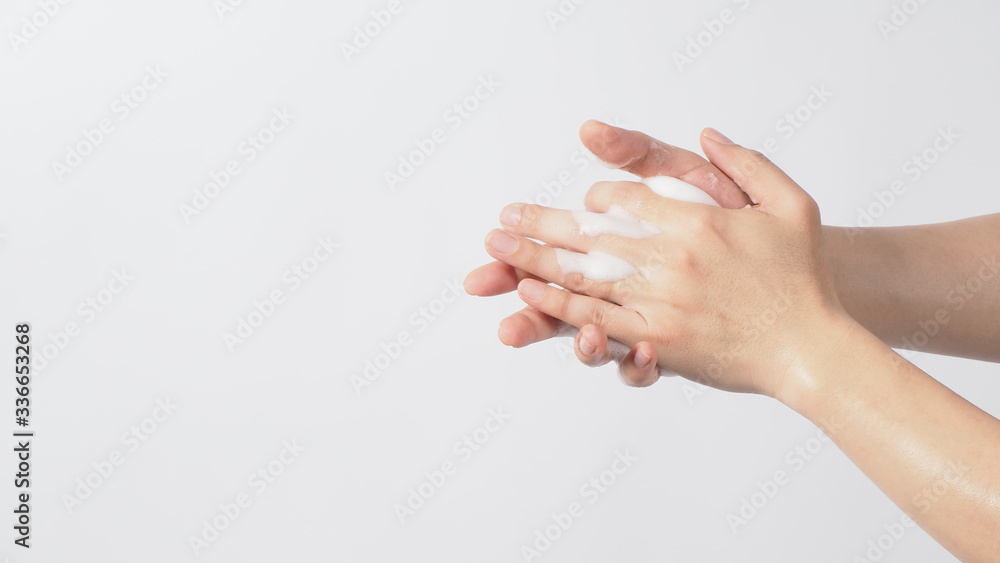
(633, 152)
(731, 298)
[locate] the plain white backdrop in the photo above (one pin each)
(199, 261)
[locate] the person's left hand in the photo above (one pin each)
(639, 154)
(730, 298)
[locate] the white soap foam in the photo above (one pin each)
(673, 188)
(600, 266)
(616, 221)
(595, 265)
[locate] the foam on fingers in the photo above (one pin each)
(667, 186)
(616, 221)
(595, 265)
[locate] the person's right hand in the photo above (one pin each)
(639, 154)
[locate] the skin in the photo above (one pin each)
(894, 281)
(749, 299)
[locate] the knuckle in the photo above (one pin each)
(597, 193)
(704, 224)
(562, 305)
(623, 289)
(598, 316)
(575, 282)
(530, 257)
(626, 195)
(531, 214)
(578, 283)
(807, 209)
(753, 162)
(683, 261)
(758, 158)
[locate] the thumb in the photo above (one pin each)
(755, 174)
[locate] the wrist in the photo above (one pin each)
(828, 357)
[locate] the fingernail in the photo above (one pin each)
(532, 289)
(501, 242)
(641, 359)
(586, 347)
(717, 137)
(511, 215)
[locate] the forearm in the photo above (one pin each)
(933, 453)
(933, 288)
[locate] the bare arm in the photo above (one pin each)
(930, 288)
(894, 281)
(750, 303)
(936, 455)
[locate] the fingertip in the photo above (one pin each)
(600, 139)
(510, 333)
(516, 330)
(504, 333)
(466, 284)
(642, 359)
(586, 341)
(591, 125)
(591, 346)
(715, 136)
(639, 368)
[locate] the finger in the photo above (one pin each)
(552, 226)
(495, 278)
(624, 325)
(641, 201)
(639, 368)
(580, 231)
(563, 267)
(767, 184)
(528, 326)
(591, 346)
(645, 156)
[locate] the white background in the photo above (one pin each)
(323, 176)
